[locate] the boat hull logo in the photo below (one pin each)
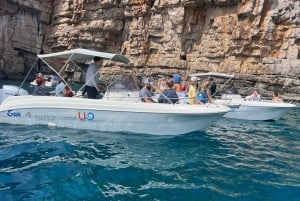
(86, 116)
(12, 113)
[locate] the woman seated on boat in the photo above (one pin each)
(161, 84)
(62, 88)
(169, 95)
(254, 96)
(39, 89)
(184, 84)
(205, 95)
(192, 92)
(276, 98)
(68, 92)
(59, 89)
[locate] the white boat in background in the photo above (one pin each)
(253, 110)
(241, 108)
(120, 110)
(51, 81)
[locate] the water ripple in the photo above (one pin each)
(232, 160)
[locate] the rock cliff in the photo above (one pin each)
(257, 40)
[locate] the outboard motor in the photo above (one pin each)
(11, 90)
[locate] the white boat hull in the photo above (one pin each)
(256, 110)
(111, 116)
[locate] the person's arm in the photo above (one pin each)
(199, 102)
(149, 100)
(94, 80)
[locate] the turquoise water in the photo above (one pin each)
(232, 160)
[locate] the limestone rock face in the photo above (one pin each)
(258, 40)
(22, 24)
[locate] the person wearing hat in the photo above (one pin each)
(145, 92)
(192, 94)
(92, 78)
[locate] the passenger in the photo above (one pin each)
(161, 84)
(63, 89)
(177, 81)
(205, 95)
(184, 83)
(39, 89)
(169, 95)
(145, 92)
(254, 96)
(213, 86)
(92, 78)
(276, 98)
(68, 92)
(59, 89)
(192, 92)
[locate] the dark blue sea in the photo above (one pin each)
(233, 160)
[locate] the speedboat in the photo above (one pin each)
(242, 108)
(51, 81)
(119, 110)
(253, 110)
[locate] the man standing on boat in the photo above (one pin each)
(92, 78)
(177, 81)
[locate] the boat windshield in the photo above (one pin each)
(123, 83)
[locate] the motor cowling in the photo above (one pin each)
(11, 90)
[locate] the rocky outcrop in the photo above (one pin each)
(22, 24)
(257, 40)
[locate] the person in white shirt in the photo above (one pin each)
(59, 89)
(254, 96)
(92, 78)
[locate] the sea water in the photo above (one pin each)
(232, 160)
